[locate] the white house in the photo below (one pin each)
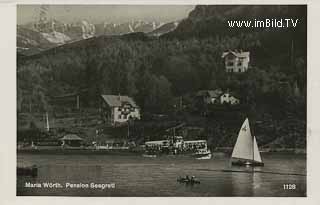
(119, 109)
(227, 98)
(236, 61)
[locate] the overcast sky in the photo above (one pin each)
(105, 13)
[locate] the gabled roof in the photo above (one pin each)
(71, 137)
(237, 54)
(233, 94)
(117, 100)
(212, 93)
(215, 93)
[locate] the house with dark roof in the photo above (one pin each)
(236, 61)
(217, 96)
(119, 109)
(209, 96)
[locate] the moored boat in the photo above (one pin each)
(195, 148)
(27, 171)
(149, 155)
(208, 156)
(203, 154)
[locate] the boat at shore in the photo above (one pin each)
(28, 171)
(178, 147)
(196, 149)
(206, 155)
(246, 151)
(149, 155)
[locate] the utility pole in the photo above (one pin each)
(292, 53)
(128, 133)
(78, 102)
(47, 117)
(30, 106)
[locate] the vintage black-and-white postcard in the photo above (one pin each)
(162, 100)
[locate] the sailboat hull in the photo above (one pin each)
(247, 163)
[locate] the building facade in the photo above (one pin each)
(236, 61)
(227, 98)
(119, 109)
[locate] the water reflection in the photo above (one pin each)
(137, 176)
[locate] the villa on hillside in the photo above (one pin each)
(236, 61)
(229, 98)
(119, 109)
(216, 97)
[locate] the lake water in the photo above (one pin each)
(139, 176)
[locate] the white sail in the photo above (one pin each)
(256, 154)
(246, 146)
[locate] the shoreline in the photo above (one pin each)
(224, 150)
(267, 150)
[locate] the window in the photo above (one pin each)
(230, 63)
(239, 63)
(239, 70)
(230, 57)
(119, 116)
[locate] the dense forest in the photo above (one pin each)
(158, 71)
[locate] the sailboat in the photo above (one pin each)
(246, 151)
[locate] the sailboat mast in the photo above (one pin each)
(252, 133)
(253, 152)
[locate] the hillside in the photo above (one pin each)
(157, 71)
(163, 29)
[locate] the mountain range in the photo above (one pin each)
(34, 37)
